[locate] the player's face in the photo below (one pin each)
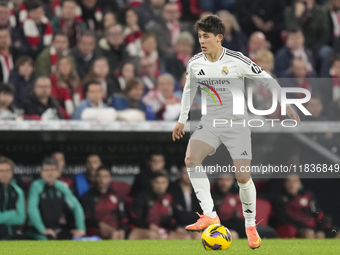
(6, 173)
(160, 185)
(209, 42)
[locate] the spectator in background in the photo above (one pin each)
(112, 47)
(91, 14)
(149, 48)
(149, 11)
(152, 214)
(66, 85)
(16, 16)
(297, 212)
(333, 110)
(84, 54)
(155, 162)
(149, 73)
(215, 5)
(59, 157)
(166, 30)
(262, 15)
(262, 97)
(5, 15)
(47, 201)
(315, 107)
(109, 19)
(300, 77)
(294, 48)
(92, 108)
(132, 33)
(176, 63)
(46, 61)
(132, 99)
(7, 55)
(40, 105)
(23, 79)
(125, 74)
(100, 72)
(234, 38)
(12, 202)
(331, 88)
(312, 19)
(164, 103)
(228, 205)
(185, 203)
(265, 60)
(36, 32)
(257, 42)
(104, 209)
(6, 102)
(68, 22)
(84, 181)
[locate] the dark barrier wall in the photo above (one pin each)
(27, 148)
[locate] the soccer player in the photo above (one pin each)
(216, 64)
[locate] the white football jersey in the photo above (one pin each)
(229, 70)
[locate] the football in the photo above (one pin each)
(216, 237)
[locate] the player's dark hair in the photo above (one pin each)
(211, 24)
(50, 162)
(32, 5)
(5, 160)
(103, 168)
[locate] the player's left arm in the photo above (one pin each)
(249, 69)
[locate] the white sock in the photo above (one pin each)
(248, 199)
(200, 183)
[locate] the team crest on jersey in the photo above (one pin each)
(225, 71)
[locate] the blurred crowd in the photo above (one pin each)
(126, 60)
(93, 204)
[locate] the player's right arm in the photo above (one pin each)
(189, 92)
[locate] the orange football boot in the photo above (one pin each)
(254, 240)
(203, 222)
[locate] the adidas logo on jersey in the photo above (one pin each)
(244, 153)
(201, 72)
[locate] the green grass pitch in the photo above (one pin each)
(168, 247)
